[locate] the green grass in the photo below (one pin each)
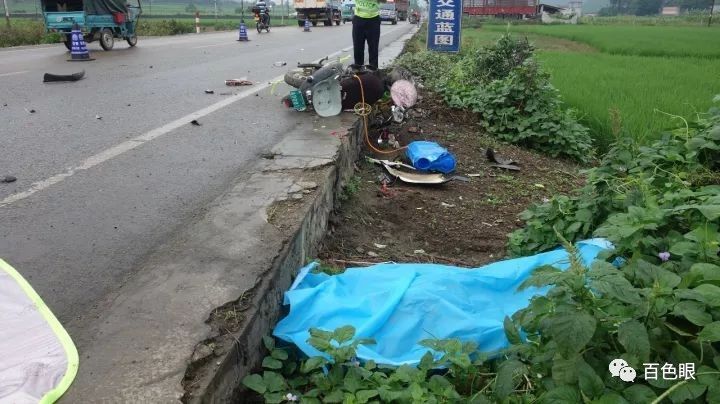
(25, 32)
(634, 40)
(473, 38)
(695, 18)
(595, 83)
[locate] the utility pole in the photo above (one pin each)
(242, 11)
(216, 9)
(282, 16)
(712, 9)
(7, 13)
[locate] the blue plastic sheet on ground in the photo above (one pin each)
(430, 156)
(399, 305)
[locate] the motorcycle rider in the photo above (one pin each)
(263, 11)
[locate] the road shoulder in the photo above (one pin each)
(189, 324)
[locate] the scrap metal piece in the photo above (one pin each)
(506, 166)
(238, 82)
(390, 163)
(54, 78)
(398, 114)
(416, 178)
(490, 154)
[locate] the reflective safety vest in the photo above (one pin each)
(367, 8)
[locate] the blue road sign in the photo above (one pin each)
(444, 25)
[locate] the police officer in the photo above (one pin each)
(366, 28)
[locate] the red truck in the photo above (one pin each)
(501, 8)
(401, 6)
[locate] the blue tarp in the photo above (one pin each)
(399, 305)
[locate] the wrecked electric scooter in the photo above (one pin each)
(330, 89)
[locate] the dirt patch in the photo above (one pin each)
(475, 37)
(287, 212)
(225, 322)
(459, 223)
(549, 43)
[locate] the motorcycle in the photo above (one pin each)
(325, 80)
(414, 18)
(262, 22)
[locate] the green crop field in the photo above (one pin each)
(634, 40)
(599, 69)
(634, 86)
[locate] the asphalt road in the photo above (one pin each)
(94, 196)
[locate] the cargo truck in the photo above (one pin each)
(325, 11)
(401, 6)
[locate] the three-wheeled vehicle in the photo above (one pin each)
(102, 20)
(348, 11)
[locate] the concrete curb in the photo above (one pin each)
(188, 326)
(247, 352)
(246, 355)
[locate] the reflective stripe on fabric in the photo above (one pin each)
(367, 8)
(39, 360)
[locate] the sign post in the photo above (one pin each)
(444, 25)
(7, 13)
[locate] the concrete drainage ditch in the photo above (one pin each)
(219, 363)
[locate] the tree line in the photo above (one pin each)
(652, 7)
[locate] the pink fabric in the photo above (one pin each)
(403, 93)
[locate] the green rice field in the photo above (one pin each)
(639, 40)
(633, 71)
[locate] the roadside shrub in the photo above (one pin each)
(511, 93)
(655, 297)
(225, 25)
(659, 185)
(498, 61)
(148, 27)
(431, 67)
(26, 33)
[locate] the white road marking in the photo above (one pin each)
(138, 141)
(33, 49)
(212, 46)
(133, 143)
(13, 73)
